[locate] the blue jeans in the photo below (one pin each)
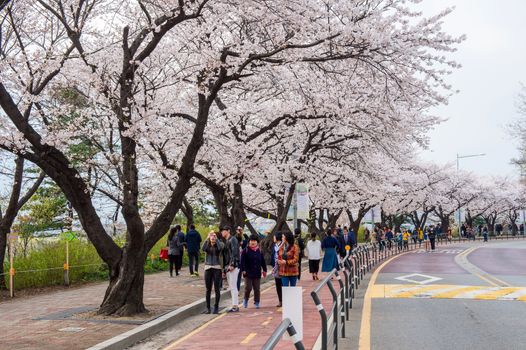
(289, 281)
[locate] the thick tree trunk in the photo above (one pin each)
(383, 218)
(321, 220)
(238, 212)
(354, 223)
(312, 221)
(416, 220)
(333, 218)
(188, 212)
(124, 295)
(512, 216)
(490, 222)
(221, 202)
(444, 223)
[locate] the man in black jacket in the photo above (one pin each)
(231, 260)
(346, 239)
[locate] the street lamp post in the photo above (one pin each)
(459, 157)
(523, 182)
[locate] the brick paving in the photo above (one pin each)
(236, 330)
(20, 329)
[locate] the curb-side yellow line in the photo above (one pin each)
(487, 279)
(365, 326)
(494, 281)
(192, 333)
(200, 328)
(265, 323)
(248, 338)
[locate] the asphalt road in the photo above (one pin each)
(470, 296)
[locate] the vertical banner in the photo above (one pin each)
(293, 309)
(302, 201)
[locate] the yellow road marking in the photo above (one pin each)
(365, 326)
(267, 321)
(487, 279)
(192, 333)
(501, 282)
(455, 292)
(447, 291)
(497, 293)
(248, 338)
(416, 291)
(494, 281)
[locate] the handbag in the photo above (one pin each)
(163, 255)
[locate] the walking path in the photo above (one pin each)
(251, 327)
(51, 321)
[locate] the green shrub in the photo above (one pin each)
(44, 264)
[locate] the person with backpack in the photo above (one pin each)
(193, 244)
(301, 246)
(175, 250)
(253, 266)
(182, 240)
(213, 248)
(231, 256)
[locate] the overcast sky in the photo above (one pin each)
(493, 62)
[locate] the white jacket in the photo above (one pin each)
(314, 249)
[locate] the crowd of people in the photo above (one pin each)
(230, 257)
(470, 232)
(386, 238)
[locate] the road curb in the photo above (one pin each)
(159, 324)
(153, 327)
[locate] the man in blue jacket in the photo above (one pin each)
(193, 244)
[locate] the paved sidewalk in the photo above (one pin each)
(251, 328)
(41, 321)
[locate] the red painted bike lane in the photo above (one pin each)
(250, 328)
(500, 261)
(441, 261)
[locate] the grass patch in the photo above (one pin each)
(43, 265)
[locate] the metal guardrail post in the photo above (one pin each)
(335, 311)
(284, 326)
(346, 288)
(352, 284)
(323, 316)
(340, 309)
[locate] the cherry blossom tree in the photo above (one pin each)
(276, 94)
(20, 184)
